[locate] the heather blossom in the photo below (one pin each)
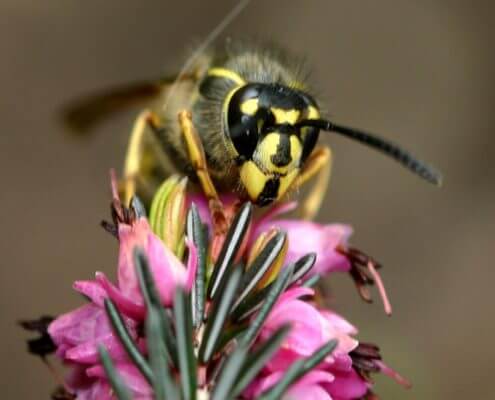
(330, 243)
(196, 313)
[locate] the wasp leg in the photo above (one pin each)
(198, 160)
(146, 122)
(319, 164)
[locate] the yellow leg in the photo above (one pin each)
(319, 164)
(198, 160)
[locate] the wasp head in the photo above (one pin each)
(268, 145)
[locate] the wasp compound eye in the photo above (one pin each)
(309, 137)
(245, 120)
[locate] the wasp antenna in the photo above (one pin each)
(409, 161)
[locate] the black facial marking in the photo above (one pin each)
(282, 156)
(269, 192)
(311, 134)
(309, 142)
(279, 96)
(245, 130)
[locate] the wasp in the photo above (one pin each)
(239, 118)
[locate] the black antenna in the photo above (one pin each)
(402, 156)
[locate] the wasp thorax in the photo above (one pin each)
(261, 126)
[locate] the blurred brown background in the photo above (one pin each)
(420, 72)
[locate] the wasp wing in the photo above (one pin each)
(83, 114)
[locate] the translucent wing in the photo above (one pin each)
(83, 114)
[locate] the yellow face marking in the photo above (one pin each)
(313, 113)
(249, 107)
(285, 116)
(227, 74)
(295, 150)
(269, 146)
(253, 179)
(266, 149)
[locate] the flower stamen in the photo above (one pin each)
(364, 273)
(366, 359)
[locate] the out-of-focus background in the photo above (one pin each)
(420, 72)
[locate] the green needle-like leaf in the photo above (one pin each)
(229, 374)
(303, 265)
(257, 360)
(118, 386)
(297, 370)
(232, 332)
(125, 338)
(276, 290)
(251, 304)
(138, 207)
(319, 355)
(197, 232)
(152, 299)
(163, 384)
(156, 332)
(261, 265)
(146, 280)
(187, 360)
(218, 315)
(231, 246)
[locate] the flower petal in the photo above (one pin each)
(129, 374)
(92, 290)
(168, 271)
(347, 386)
(127, 306)
(192, 264)
(78, 326)
(307, 236)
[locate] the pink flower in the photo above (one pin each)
(168, 271)
(307, 236)
(330, 243)
(341, 376)
(308, 387)
(303, 236)
(311, 329)
(78, 334)
(91, 383)
(347, 385)
(133, 378)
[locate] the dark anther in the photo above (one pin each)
(365, 360)
(120, 213)
(43, 345)
(364, 273)
(110, 228)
